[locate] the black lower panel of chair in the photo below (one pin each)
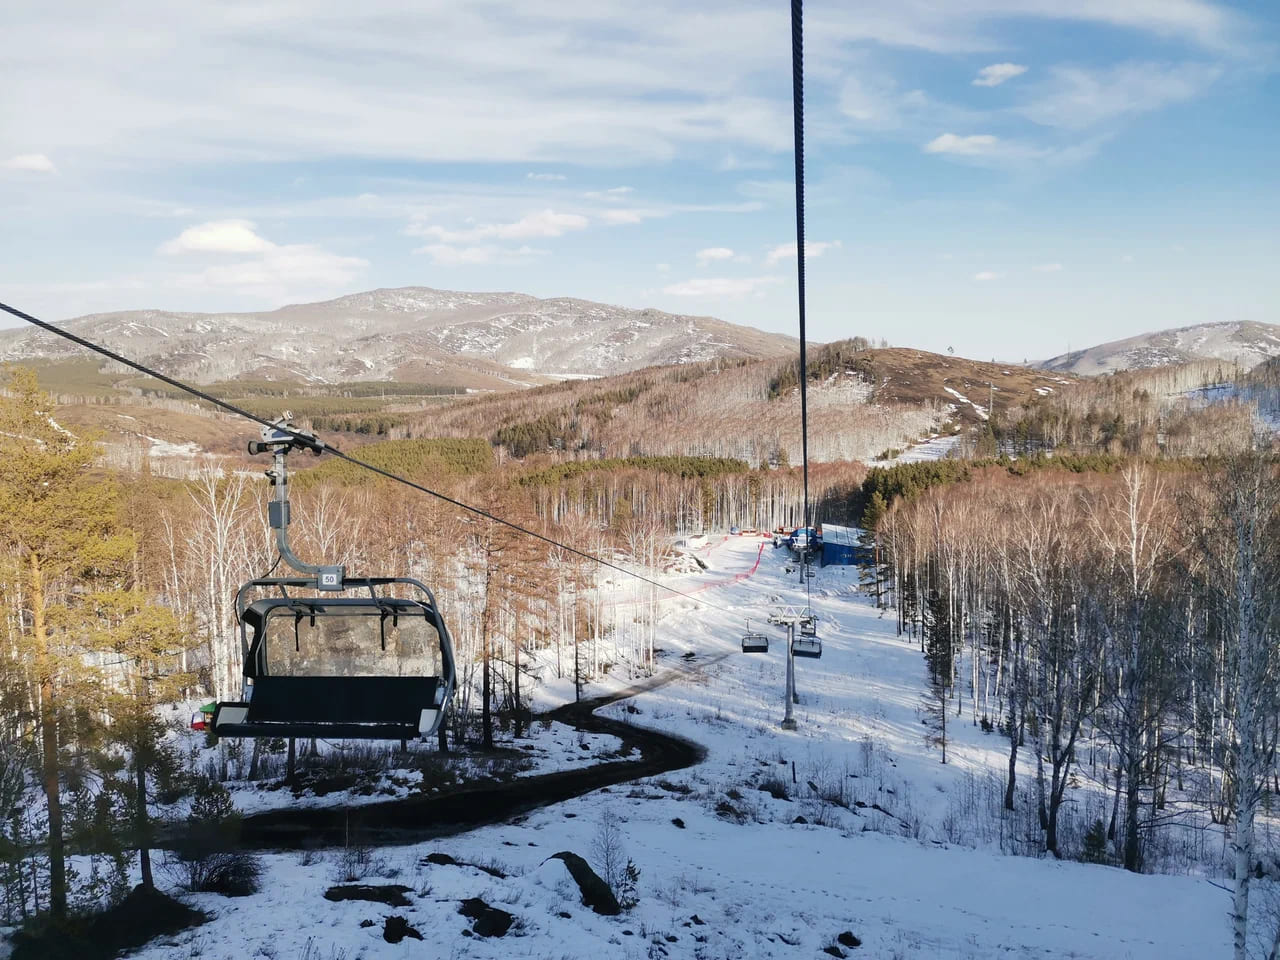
(373, 708)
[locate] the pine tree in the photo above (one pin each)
(84, 630)
(59, 521)
(148, 640)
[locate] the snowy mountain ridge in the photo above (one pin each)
(1246, 343)
(410, 333)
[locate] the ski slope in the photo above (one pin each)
(758, 883)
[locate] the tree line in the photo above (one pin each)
(1119, 626)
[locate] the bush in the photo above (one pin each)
(206, 859)
(776, 787)
(1094, 848)
(628, 886)
(355, 861)
(232, 873)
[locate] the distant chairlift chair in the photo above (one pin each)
(806, 643)
(371, 665)
(754, 642)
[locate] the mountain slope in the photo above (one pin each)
(862, 402)
(411, 333)
(1245, 343)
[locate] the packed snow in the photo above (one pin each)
(934, 448)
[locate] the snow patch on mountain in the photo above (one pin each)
(372, 335)
(1244, 343)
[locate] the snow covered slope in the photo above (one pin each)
(774, 846)
(411, 333)
(1243, 343)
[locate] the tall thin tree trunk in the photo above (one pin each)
(141, 822)
(486, 713)
(49, 769)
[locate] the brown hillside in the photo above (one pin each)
(902, 375)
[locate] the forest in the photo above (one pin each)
(1121, 625)
(1103, 605)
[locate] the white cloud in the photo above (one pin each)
(631, 81)
(540, 225)
(630, 216)
(620, 190)
(733, 161)
(663, 268)
(986, 275)
(998, 73)
(217, 236)
(974, 145)
(965, 27)
(301, 267)
(545, 176)
(787, 251)
(30, 163)
(450, 255)
(1047, 268)
(714, 253)
(873, 101)
(719, 286)
(1075, 98)
(273, 270)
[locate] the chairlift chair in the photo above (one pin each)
(352, 660)
(806, 642)
(754, 642)
(810, 647)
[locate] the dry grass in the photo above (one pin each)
(919, 377)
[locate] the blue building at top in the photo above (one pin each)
(840, 546)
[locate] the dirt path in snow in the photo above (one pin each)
(418, 818)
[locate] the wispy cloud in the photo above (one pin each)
(977, 144)
(987, 275)
(30, 163)
(728, 287)
(875, 102)
(1047, 268)
(630, 215)
(545, 176)
(787, 251)
(998, 73)
(541, 224)
(1075, 98)
(452, 255)
(714, 253)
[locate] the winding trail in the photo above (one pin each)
(417, 818)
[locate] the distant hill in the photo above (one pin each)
(417, 334)
(862, 403)
(1245, 343)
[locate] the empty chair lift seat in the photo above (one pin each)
(343, 667)
(807, 647)
(755, 643)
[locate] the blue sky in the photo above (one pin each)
(1004, 177)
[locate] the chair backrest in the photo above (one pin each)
(806, 647)
(755, 643)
